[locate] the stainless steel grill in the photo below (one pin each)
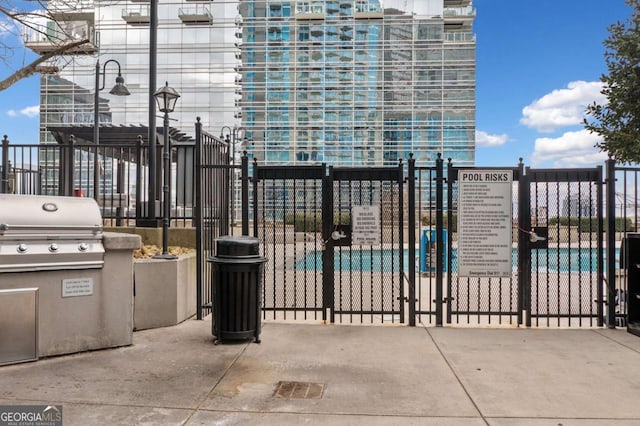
(48, 233)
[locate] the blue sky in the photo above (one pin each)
(538, 65)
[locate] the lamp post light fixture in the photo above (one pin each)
(166, 97)
(234, 135)
(119, 90)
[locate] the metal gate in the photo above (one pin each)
(212, 207)
(318, 267)
(482, 300)
(557, 251)
(564, 261)
(321, 266)
(623, 196)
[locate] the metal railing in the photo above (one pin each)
(67, 170)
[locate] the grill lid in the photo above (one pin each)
(23, 216)
(49, 233)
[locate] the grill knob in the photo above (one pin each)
(22, 248)
(83, 247)
(53, 248)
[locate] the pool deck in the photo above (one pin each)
(373, 375)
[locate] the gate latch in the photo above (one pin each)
(335, 236)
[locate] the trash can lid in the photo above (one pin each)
(237, 245)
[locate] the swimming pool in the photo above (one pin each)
(375, 260)
(561, 259)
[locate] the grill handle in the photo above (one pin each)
(7, 227)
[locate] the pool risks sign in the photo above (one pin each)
(484, 223)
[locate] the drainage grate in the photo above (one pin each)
(299, 390)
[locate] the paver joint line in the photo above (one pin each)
(456, 375)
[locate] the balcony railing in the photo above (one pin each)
(463, 12)
(197, 15)
(52, 35)
(136, 15)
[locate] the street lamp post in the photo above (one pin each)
(153, 72)
(166, 97)
(119, 90)
(234, 134)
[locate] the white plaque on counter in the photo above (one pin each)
(77, 287)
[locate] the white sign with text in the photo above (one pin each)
(484, 223)
(77, 287)
(365, 222)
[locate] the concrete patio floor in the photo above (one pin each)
(373, 375)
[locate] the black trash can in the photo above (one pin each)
(630, 258)
(236, 288)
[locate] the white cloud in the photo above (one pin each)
(572, 149)
(563, 107)
(487, 140)
(31, 112)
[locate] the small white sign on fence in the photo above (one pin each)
(366, 227)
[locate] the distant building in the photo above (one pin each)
(576, 205)
(345, 82)
(357, 82)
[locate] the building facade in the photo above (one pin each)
(357, 82)
(195, 55)
(345, 82)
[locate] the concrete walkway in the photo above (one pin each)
(369, 375)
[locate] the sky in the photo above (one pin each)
(539, 64)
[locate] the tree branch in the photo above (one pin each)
(32, 68)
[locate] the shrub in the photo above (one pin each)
(304, 222)
(587, 224)
(312, 222)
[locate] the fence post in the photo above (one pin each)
(197, 218)
(402, 296)
(245, 193)
(138, 178)
(255, 197)
(524, 251)
(411, 187)
(327, 249)
(71, 165)
(439, 234)
(96, 172)
(120, 210)
(451, 178)
(610, 182)
(4, 184)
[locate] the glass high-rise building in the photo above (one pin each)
(346, 82)
(195, 54)
(357, 82)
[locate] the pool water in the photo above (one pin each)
(562, 259)
(374, 260)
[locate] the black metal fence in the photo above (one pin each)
(318, 266)
(622, 203)
(201, 177)
(68, 170)
(570, 275)
(481, 300)
(212, 206)
(303, 217)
